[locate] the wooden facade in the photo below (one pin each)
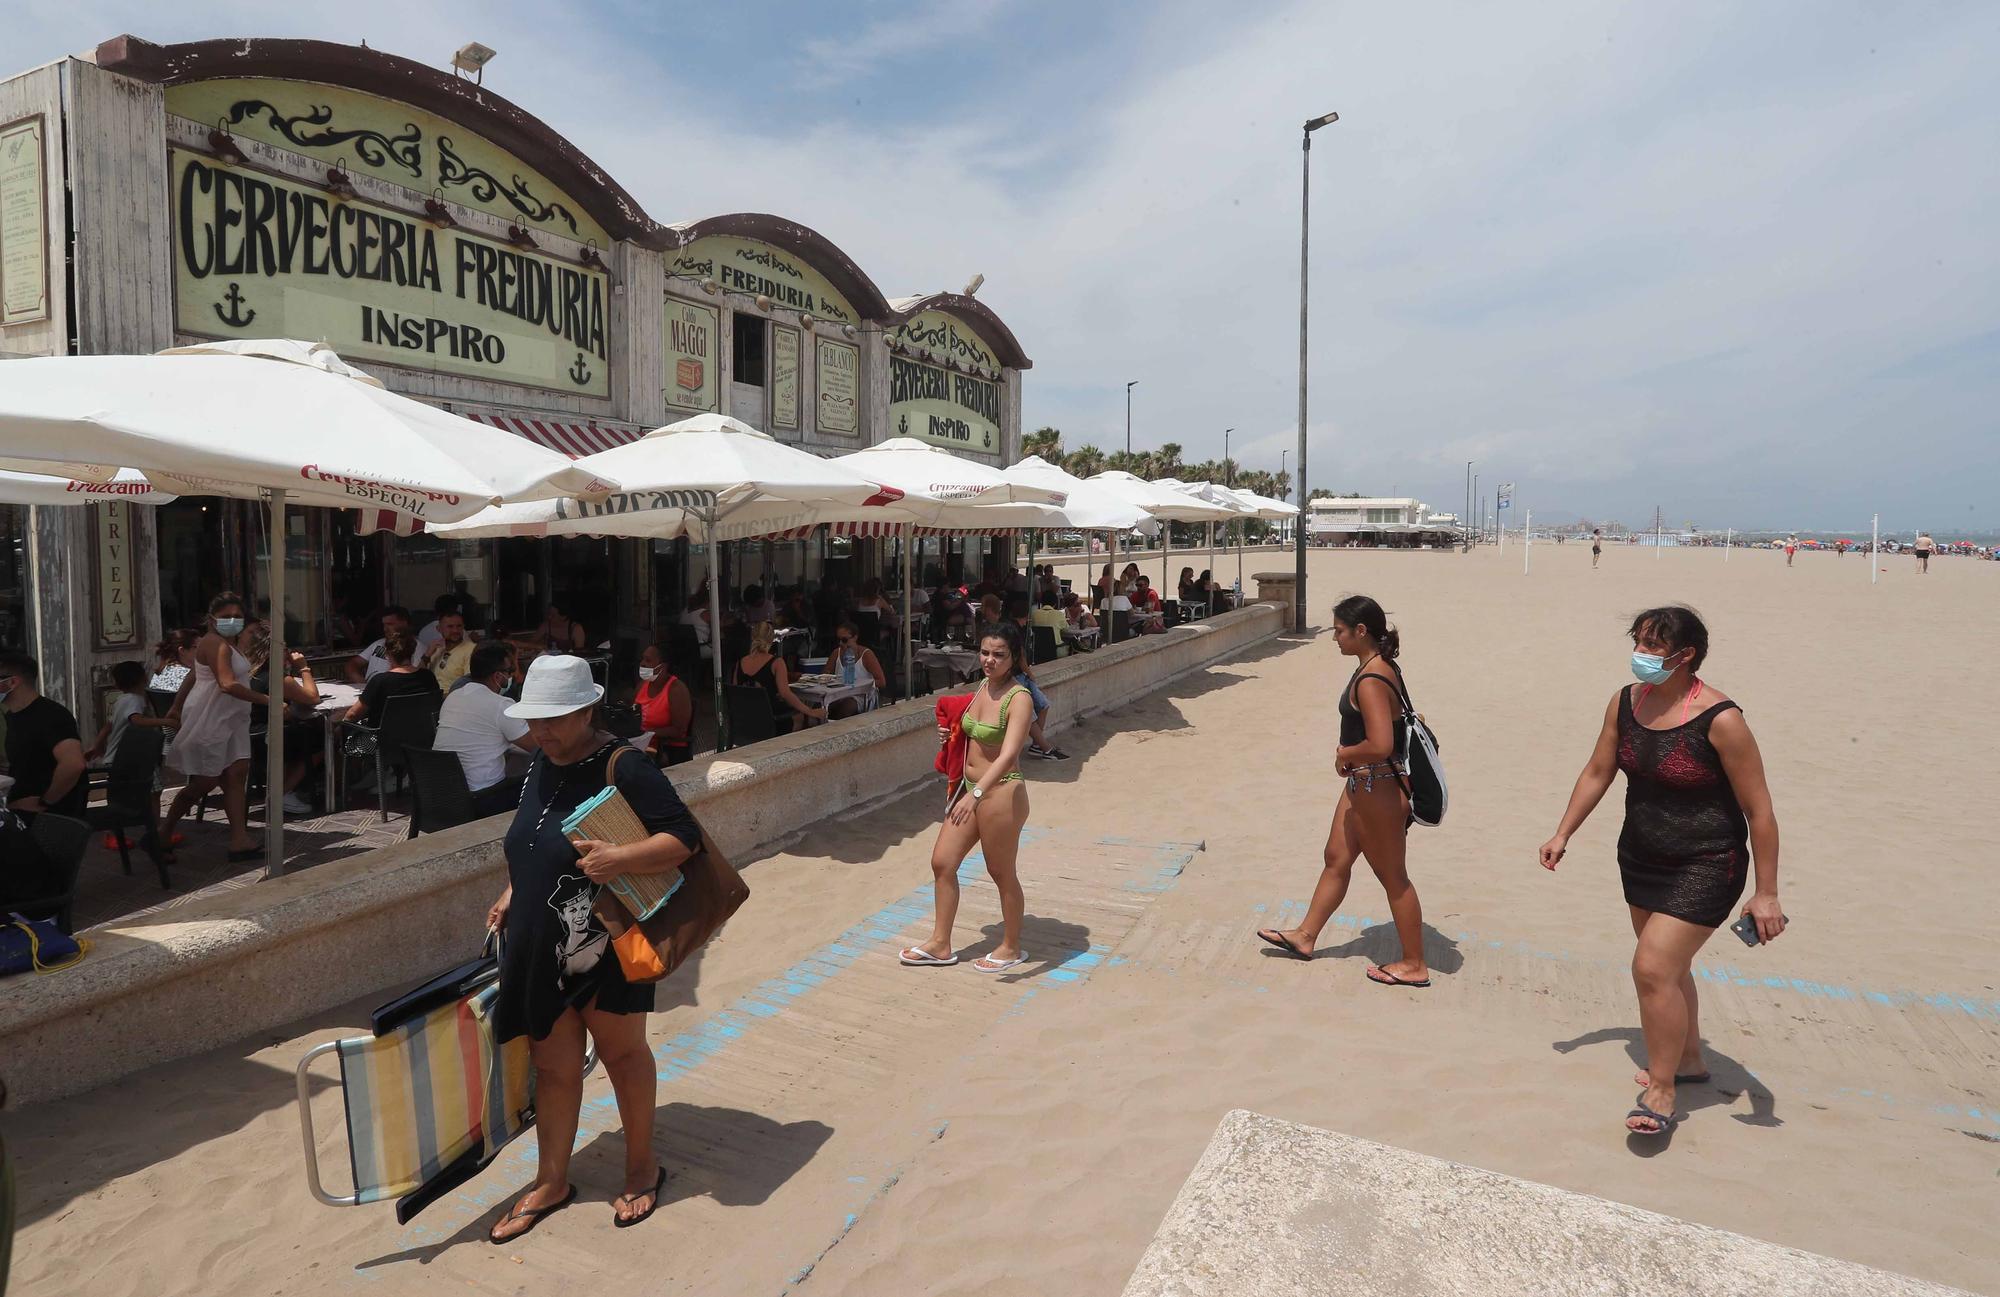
(110, 219)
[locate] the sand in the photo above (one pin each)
(835, 1123)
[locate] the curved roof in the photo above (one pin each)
(825, 255)
(1006, 347)
(373, 72)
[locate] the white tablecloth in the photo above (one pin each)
(816, 693)
(962, 661)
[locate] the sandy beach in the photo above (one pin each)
(835, 1123)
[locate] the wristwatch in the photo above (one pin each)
(977, 792)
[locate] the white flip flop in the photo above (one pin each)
(986, 964)
(918, 957)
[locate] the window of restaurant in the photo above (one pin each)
(15, 618)
(747, 349)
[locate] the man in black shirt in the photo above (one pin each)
(44, 750)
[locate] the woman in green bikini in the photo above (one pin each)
(987, 807)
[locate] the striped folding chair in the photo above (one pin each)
(429, 1098)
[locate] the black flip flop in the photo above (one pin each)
(1641, 1110)
(1281, 943)
(533, 1216)
(659, 1183)
(1388, 978)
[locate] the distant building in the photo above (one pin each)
(1369, 513)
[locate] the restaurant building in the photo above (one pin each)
(462, 251)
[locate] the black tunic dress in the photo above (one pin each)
(558, 956)
(1685, 848)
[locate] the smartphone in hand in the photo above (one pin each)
(1746, 928)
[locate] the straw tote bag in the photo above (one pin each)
(709, 892)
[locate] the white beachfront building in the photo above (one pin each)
(1340, 517)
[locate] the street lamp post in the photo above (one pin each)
(1465, 519)
(1288, 486)
(1305, 209)
(1128, 414)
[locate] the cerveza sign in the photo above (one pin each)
(946, 408)
(256, 256)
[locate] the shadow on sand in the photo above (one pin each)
(1728, 1081)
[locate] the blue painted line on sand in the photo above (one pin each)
(853, 1217)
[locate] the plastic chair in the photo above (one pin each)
(1172, 610)
(130, 799)
(62, 841)
(407, 720)
(750, 719)
(1045, 645)
(439, 797)
(1121, 626)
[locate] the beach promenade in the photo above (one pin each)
(836, 1123)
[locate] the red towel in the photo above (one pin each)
(951, 753)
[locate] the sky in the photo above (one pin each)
(1735, 261)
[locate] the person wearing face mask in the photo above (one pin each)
(666, 708)
(1697, 813)
(212, 745)
(473, 723)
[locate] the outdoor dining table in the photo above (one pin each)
(334, 700)
(826, 690)
(963, 661)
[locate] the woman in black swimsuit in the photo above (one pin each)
(1696, 811)
(1372, 818)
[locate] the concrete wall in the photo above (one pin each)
(254, 959)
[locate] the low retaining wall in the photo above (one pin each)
(173, 985)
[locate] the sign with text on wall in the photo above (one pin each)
(835, 364)
(260, 257)
(784, 377)
(117, 600)
(24, 250)
(693, 329)
(943, 407)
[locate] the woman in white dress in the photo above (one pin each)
(212, 747)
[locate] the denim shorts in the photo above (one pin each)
(1034, 691)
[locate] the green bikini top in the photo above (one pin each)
(983, 732)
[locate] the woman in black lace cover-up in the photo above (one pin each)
(1696, 813)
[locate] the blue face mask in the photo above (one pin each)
(1651, 668)
(229, 627)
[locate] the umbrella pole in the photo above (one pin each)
(1166, 549)
(909, 617)
(715, 630)
(1111, 594)
(274, 676)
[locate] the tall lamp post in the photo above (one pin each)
(1128, 414)
(1465, 519)
(1288, 486)
(1305, 208)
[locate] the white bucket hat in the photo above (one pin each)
(557, 684)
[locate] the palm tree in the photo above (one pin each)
(1084, 461)
(1166, 460)
(1044, 441)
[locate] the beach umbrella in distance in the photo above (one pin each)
(1169, 502)
(1088, 506)
(276, 419)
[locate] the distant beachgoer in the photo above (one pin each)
(1925, 547)
(1696, 810)
(1791, 548)
(1372, 818)
(1596, 546)
(987, 805)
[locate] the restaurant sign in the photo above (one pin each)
(260, 257)
(117, 602)
(692, 331)
(834, 366)
(947, 338)
(24, 244)
(946, 408)
(760, 270)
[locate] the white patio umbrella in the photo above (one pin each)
(942, 490)
(39, 488)
(1090, 507)
(276, 419)
(1216, 494)
(710, 478)
(1164, 502)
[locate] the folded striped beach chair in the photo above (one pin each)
(429, 1098)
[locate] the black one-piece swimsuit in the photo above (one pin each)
(1685, 848)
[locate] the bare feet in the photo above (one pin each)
(527, 1213)
(1692, 1069)
(642, 1194)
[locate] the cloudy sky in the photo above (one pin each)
(1739, 261)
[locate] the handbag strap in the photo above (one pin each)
(35, 948)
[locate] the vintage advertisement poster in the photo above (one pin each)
(256, 256)
(784, 377)
(24, 244)
(835, 368)
(117, 592)
(693, 329)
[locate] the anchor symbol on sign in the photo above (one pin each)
(577, 373)
(988, 436)
(236, 317)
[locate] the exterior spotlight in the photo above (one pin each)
(223, 146)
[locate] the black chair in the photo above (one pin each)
(160, 701)
(1121, 626)
(439, 798)
(750, 719)
(61, 841)
(130, 799)
(407, 720)
(622, 720)
(1045, 644)
(867, 627)
(1172, 610)
(684, 647)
